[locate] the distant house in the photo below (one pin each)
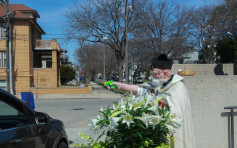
(189, 58)
(64, 59)
(35, 61)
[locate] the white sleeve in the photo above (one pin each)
(141, 90)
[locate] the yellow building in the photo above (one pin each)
(35, 62)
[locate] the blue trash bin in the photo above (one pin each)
(28, 97)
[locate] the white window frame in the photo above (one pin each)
(3, 58)
(2, 31)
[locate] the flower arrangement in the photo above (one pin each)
(134, 122)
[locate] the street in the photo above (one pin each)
(75, 112)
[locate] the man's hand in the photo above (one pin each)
(116, 84)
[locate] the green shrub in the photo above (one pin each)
(67, 73)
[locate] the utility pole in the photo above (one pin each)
(8, 16)
(126, 41)
(7, 43)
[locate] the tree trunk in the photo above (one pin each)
(120, 69)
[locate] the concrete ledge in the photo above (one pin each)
(62, 90)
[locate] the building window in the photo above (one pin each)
(2, 59)
(42, 59)
(46, 61)
(2, 30)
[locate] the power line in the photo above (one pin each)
(35, 38)
(53, 34)
(42, 34)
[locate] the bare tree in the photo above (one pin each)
(231, 11)
(155, 26)
(93, 20)
(90, 57)
(202, 32)
(177, 43)
(163, 29)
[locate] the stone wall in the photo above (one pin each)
(209, 94)
(206, 69)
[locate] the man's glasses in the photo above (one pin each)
(156, 73)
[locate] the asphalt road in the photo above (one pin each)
(75, 113)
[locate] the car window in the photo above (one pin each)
(11, 117)
(8, 110)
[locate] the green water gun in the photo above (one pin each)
(108, 84)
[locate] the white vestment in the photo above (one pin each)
(175, 94)
(177, 98)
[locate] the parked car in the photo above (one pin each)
(137, 80)
(23, 127)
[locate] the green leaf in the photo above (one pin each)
(140, 124)
(104, 114)
(139, 134)
(117, 113)
(107, 139)
(103, 133)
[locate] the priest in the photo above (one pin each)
(174, 95)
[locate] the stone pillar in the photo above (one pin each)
(54, 73)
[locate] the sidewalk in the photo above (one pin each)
(98, 92)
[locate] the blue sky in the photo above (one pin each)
(52, 17)
(52, 20)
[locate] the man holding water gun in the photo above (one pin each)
(174, 94)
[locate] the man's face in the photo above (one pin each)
(161, 73)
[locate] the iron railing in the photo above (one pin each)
(43, 44)
(231, 136)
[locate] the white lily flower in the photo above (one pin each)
(132, 97)
(154, 109)
(114, 106)
(136, 104)
(171, 129)
(145, 119)
(174, 121)
(113, 123)
(149, 98)
(123, 101)
(127, 118)
(130, 106)
(123, 107)
(92, 124)
(155, 120)
(140, 98)
(98, 117)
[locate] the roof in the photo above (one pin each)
(20, 11)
